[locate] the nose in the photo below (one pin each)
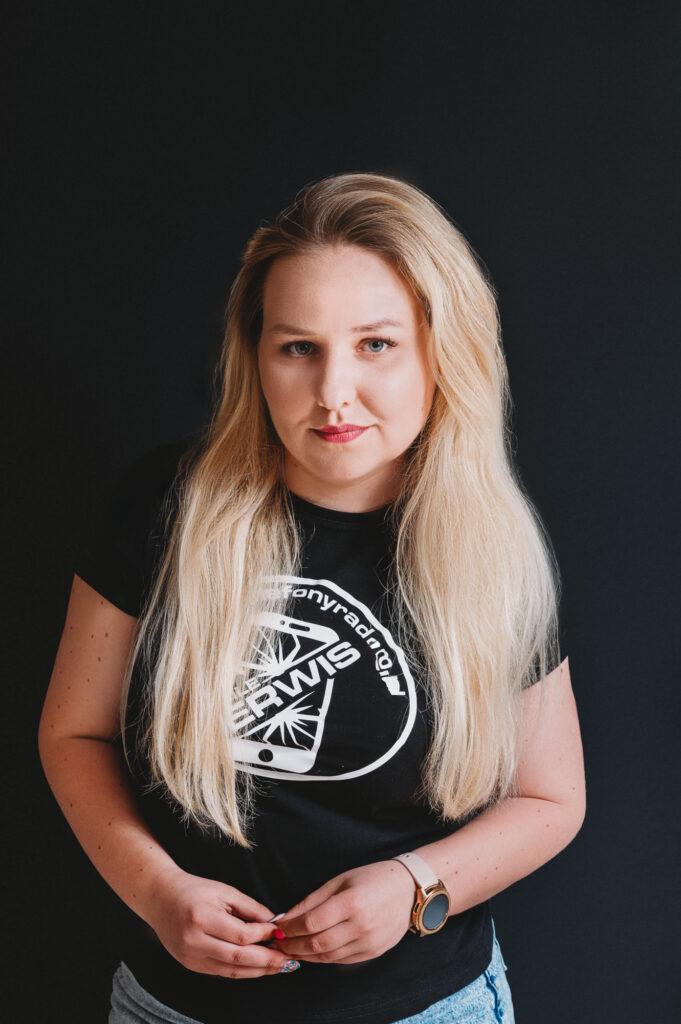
(336, 383)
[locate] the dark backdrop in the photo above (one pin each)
(145, 147)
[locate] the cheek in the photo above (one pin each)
(423, 388)
(428, 395)
(407, 395)
(274, 387)
(286, 401)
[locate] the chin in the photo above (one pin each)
(335, 470)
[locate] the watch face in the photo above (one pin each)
(436, 912)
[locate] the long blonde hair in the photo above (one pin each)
(474, 574)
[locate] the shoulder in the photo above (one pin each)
(130, 524)
(145, 493)
(151, 475)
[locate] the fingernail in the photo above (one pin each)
(290, 965)
(278, 934)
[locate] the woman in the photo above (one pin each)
(321, 623)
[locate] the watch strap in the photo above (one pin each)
(418, 869)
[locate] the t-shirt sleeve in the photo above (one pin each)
(118, 550)
(557, 656)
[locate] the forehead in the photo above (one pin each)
(340, 283)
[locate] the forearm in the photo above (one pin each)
(504, 843)
(89, 780)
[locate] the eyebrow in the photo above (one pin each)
(281, 328)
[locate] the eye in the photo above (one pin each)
(293, 348)
(372, 342)
(298, 349)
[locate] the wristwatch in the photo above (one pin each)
(431, 905)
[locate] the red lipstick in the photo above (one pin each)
(341, 434)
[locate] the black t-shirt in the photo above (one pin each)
(336, 726)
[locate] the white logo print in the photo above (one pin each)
(331, 697)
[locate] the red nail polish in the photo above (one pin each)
(278, 934)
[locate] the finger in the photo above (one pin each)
(322, 945)
(246, 908)
(317, 917)
(223, 970)
(314, 899)
(262, 958)
(345, 955)
(358, 953)
(352, 953)
(228, 928)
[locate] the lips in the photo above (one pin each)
(340, 434)
(343, 428)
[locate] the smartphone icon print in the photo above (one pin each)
(285, 725)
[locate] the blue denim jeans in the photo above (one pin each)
(487, 1000)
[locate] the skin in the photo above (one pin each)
(330, 374)
(361, 913)
(338, 376)
(209, 927)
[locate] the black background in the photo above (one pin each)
(145, 145)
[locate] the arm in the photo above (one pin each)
(82, 762)
(201, 922)
(363, 912)
(514, 838)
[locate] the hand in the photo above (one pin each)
(213, 928)
(355, 916)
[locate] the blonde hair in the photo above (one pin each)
(475, 583)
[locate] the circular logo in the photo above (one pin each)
(329, 694)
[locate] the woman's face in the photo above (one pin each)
(347, 390)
